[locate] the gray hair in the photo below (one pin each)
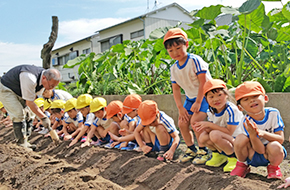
(52, 74)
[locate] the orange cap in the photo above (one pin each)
(131, 103)
(148, 111)
(113, 108)
(249, 88)
(174, 33)
(213, 84)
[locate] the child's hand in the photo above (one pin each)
(67, 137)
(183, 115)
(251, 127)
(87, 143)
(286, 184)
(199, 126)
(146, 149)
(195, 107)
(168, 155)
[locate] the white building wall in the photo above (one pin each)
(68, 73)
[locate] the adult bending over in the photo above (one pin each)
(18, 89)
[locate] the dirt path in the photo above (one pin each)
(60, 167)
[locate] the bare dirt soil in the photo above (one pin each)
(60, 167)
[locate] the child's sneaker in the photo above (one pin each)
(43, 131)
(274, 172)
(241, 169)
(99, 142)
(84, 138)
(160, 156)
(108, 145)
(231, 164)
(216, 160)
(202, 157)
(131, 146)
(188, 156)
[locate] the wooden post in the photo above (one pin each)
(46, 50)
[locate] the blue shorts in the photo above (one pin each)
(156, 146)
(188, 103)
(260, 160)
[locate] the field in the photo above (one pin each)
(60, 167)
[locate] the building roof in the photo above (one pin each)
(141, 16)
(149, 13)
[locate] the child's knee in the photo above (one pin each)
(215, 136)
(203, 138)
(124, 124)
(241, 140)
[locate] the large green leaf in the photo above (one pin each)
(249, 6)
(279, 83)
(286, 10)
(209, 13)
(283, 34)
(118, 48)
(159, 33)
(230, 10)
(253, 21)
(265, 85)
(75, 61)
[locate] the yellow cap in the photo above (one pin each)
(70, 104)
(57, 104)
(97, 104)
(83, 101)
(1, 105)
(39, 102)
(47, 104)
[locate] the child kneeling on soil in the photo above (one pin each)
(57, 116)
(101, 125)
(130, 108)
(159, 131)
(74, 121)
(5, 118)
(219, 131)
(114, 111)
(83, 105)
(260, 144)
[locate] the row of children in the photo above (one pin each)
(123, 125)
(254, 139)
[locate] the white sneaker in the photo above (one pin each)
(43, 131)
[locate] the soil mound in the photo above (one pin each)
(60, 167)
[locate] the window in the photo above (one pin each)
(137, 34)
(62, 60)
(108, 43)
(87, 51)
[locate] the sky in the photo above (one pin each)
(26, 25)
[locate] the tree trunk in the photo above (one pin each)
(46, 50)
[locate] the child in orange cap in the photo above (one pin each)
(260, 143)
(114, 111)
(219, 131)
(189, 72)
(159, 131)
(130, 108)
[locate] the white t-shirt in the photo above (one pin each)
(102, 122)
(167, 122)
(186, 75)
(61, 95)
(28, 83)
(231, 115)
(65, 116)
(90, 119)
(271, 123)
(78, 119)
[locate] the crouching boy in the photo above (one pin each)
(159, 131)
(260, 144)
